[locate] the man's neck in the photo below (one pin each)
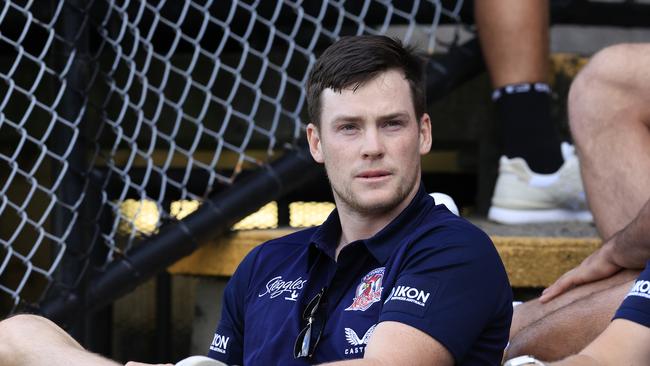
(357, 226)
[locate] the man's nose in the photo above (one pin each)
(373, 146)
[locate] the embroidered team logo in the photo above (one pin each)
(369, 290)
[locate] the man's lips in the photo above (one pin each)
(370, 174)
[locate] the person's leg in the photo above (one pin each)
(514, 39)
(532, 311)
(539, 178)
(609, 111)
(35, 341)
(515, 46)
(569, 329)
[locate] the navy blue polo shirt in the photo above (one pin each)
(636, 305)
(428, 269)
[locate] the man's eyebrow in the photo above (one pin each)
(396, 115)
(352, 118)
(347, 118)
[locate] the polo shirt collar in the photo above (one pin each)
(382, 244)
(325, 238)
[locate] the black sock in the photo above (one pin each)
(526, 129)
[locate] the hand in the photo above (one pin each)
(597, 266)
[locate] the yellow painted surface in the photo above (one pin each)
(529, 261)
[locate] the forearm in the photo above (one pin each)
(631, 246)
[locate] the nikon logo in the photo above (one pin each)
(408, 294)
(219, 343)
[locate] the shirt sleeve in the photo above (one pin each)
(453, 286)
(228, 341)
(636, 305)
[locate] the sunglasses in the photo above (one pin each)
(310, 335)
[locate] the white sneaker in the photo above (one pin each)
(522, 196)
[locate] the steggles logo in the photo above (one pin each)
(277, 286)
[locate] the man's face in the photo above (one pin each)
(370, 142)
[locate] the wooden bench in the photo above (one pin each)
(531, 261)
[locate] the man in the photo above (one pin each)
(609, 110)
(389, 278)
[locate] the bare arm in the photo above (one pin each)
(628, 248)
(623, 343)
(395, 343)
(632, 246)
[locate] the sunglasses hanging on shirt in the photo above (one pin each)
(314, 324)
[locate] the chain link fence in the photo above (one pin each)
(116, 114)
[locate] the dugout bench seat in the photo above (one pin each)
(531, 261)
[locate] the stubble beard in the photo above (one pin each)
(350, 199)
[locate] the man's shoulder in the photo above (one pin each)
(449, 237)
(446, 227)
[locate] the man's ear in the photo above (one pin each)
(425, 134)
(313, 138)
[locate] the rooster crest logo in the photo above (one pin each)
(352, 337)
(369, 290)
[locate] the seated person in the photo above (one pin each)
(624, 342)
(390, 277)
(609, 115)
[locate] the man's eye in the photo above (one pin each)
(393, 123)
(348, 127)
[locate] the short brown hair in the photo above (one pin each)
(354, 60)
